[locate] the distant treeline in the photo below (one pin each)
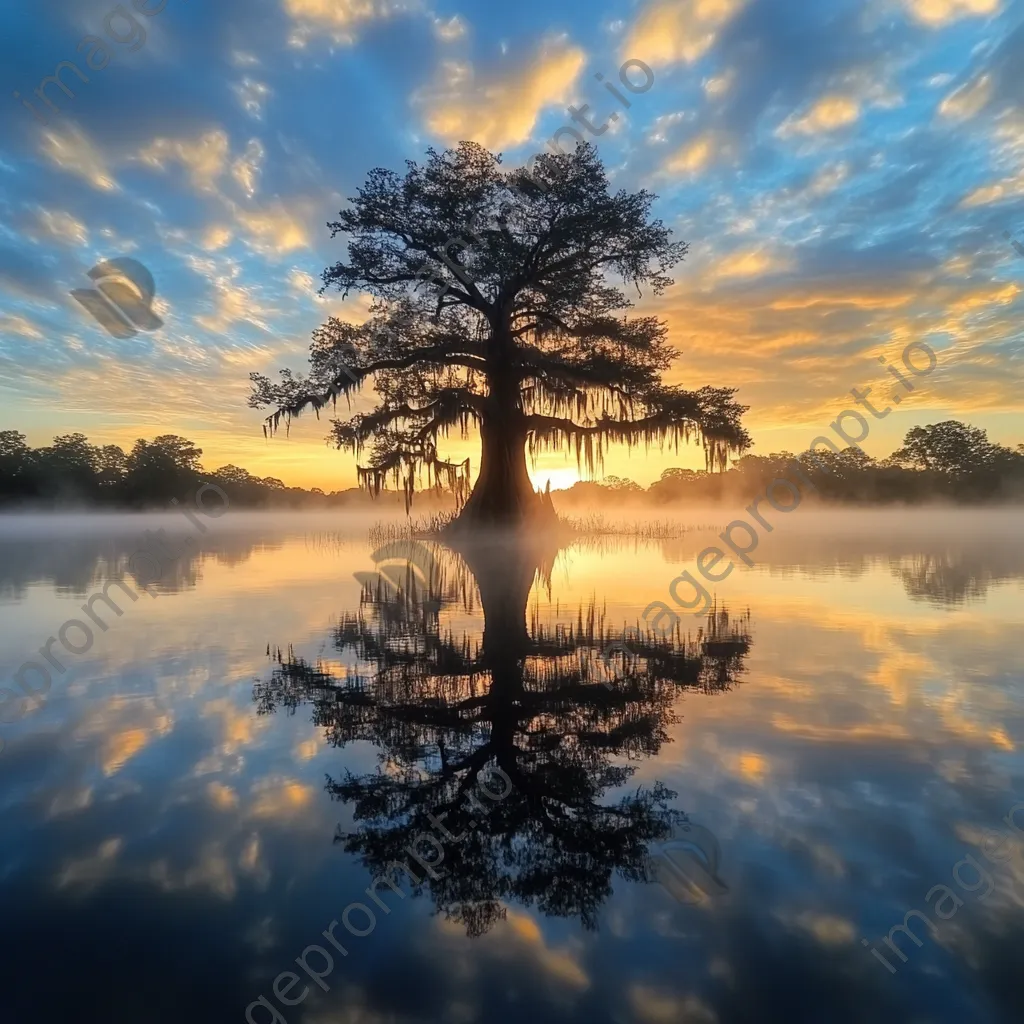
(950, 461)
(72, 472)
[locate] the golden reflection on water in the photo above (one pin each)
(852, 738)
(847, 650)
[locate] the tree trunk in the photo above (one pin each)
(503, 494)
(503, 490)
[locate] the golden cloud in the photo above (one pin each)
(73, 151)
(62, 227)
(339, 19)
(936, 13)
(280, 798)
(233, 304)
(246, 169)
(694, 156)
(216, 236)
(828, 179)
(669, 31)
(996, 192)
(11, 324)
(967, 101)
(275, 229)
(654, 1006)
(826, 115)
(224, 798)
(448, 30)
(750, 263)
(119, 748)
(828, 929)
(204, 159)
(502, 109)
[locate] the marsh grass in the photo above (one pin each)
(422, 528)
(596, 525)
(580, 527)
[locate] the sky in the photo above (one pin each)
(845, 171)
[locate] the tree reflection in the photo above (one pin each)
(564, 710)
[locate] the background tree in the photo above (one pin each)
(111, 469)
(164, 468)
(67, 469)
(495, 306)
(950, 447)
(15, 466)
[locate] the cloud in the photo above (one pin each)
(224, 798)
(11, 324)
(251, 96)
(750, 263)
(669, 31)
(275, 229)
(937, 13)
(280, 798)
(73, 151)
(828, 179)
(519, 939)
(122, 746)
(718, 85)
(303, 283)
(338, 19)
(62, 227)
(204, 159)
(829, 113)
(694, 156)
(655, 1006)
(448, 30)
(967, 101)
(983, 195)
(216, 236)
(246, 169)
(92, 869)
(828, 929)
(232, 304)
(501, 109)
(238, 728)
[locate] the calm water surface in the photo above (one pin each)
(698, 827)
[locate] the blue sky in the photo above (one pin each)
(844, 172)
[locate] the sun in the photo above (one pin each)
(561, 479)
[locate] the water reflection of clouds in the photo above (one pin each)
(874, 736)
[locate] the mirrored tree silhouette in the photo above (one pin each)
(565, 711)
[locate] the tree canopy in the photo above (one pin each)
(498, 301)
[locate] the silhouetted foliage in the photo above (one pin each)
(495, 306)
(948, 461)
(72, 472)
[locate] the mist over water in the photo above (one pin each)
(230, 761)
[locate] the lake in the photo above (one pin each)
(303, 769)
